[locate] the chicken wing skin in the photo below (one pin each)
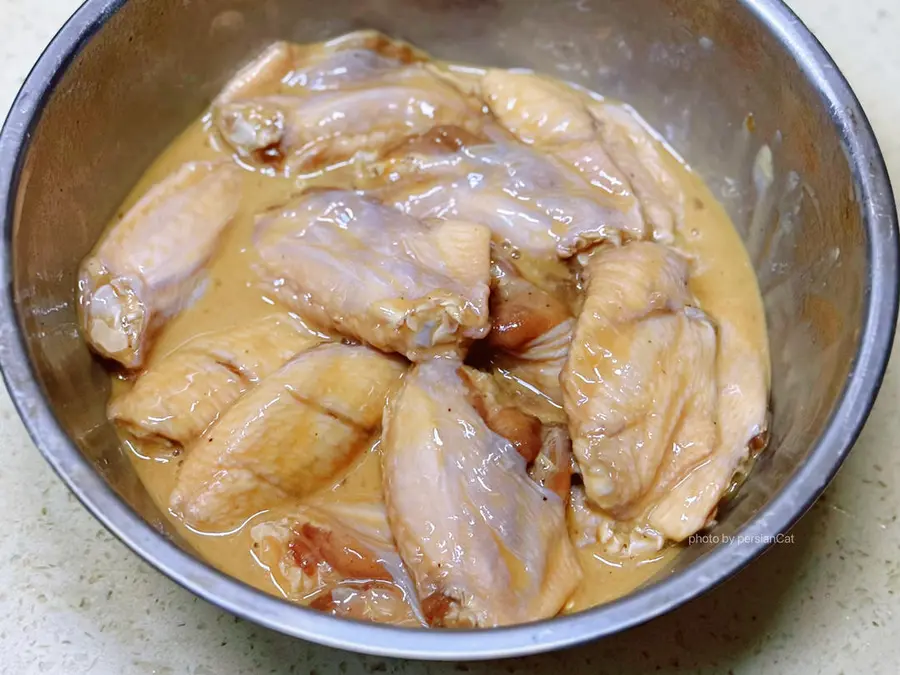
(530, 328)
(545, 446)
(741, 422)
(180, 395)
(640, 385)
(262, 75)
(303, 108)
(535, 202)
(149, 266)
(502, 416)
(537, 110)
(637, 154)
(556, 119)
(340, 558)
(286, 438)
(350, 59)
(485, 544)
(382, 277)
(309, 132)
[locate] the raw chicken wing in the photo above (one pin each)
(332, 121)
(640, 387)
(340, 558)
(387, 279)
(742, 376)
(485, 544)
(350, 59)
(637, 154)
(287, 437)
(149, 266)
(180, 395)
(535, 202)
(555, 119)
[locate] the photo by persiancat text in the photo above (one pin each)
(712, 538)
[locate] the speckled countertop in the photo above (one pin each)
(74, 600)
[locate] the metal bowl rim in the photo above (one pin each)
(810, 479)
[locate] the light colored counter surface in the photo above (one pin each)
(74, 600)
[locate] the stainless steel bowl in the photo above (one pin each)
(741, 89)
